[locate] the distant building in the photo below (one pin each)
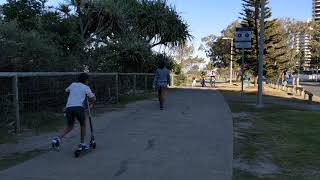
(306, 51)
(301, 44)
(315, 13)
(302, 40)
(316, 10)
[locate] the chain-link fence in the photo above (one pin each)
(31, 100)
(6, 104)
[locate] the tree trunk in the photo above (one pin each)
(280, 78)
(256, 31)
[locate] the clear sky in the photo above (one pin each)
(211, 16)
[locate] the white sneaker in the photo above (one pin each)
(83, 146)
(56, 142)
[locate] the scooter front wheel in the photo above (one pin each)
(76, 153)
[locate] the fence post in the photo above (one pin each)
(15, 89)
(172, 85)
(146, 82)
(135, 84)
(117, 87)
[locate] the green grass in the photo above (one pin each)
(251, 97)
(17, 158)
(6, 138)
(290, 136)
(128, 99)
(243, 175)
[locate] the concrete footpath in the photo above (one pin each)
(192, 139)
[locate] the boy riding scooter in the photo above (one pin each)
(78, 92)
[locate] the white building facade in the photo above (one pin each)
(316, 10)
(301, 45)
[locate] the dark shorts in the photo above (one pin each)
(161, 86)
(74, 113)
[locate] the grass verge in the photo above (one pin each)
(276, 142)
(17, 158)
(5, 137)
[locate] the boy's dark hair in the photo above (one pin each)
(162, 64)
(83, 77)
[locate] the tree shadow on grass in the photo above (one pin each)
(251, 97)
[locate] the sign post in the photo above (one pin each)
(243, 41)
(242, 75)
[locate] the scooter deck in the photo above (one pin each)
(78, 153)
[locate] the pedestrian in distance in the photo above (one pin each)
(161, 82)
(194, 81)
(283, 77)
(202, 80)
(213, 78)
(286, 79)
(249, 79)
(75, 109)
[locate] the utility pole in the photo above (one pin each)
(231, 66)
(261, 51)
(242, 76)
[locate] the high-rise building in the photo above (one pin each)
(306, 51)
(316, 10)
(301, 41)
(301, 45)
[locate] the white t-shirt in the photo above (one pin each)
(78, 93)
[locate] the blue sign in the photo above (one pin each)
(243, 38)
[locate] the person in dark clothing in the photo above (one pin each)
(161, 81)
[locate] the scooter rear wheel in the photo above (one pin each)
(77, 153)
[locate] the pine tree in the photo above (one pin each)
(275, 45)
